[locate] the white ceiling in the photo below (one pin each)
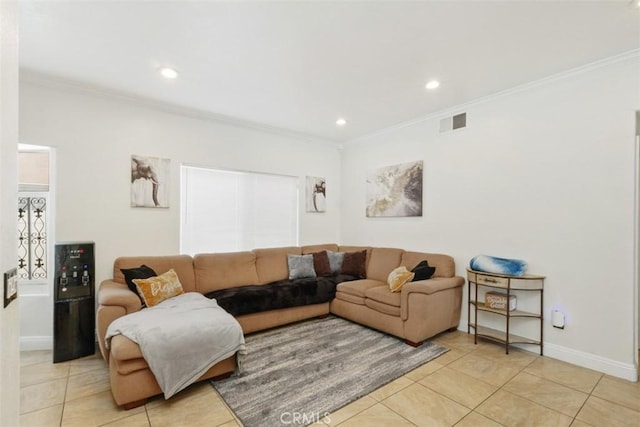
(301, 65)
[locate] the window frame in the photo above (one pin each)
(184, 168)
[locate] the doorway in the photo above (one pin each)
(36, 238)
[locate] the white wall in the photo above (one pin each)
(9, 344)
(544, 173)
(95, 135)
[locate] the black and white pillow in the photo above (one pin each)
(423, 271)
(142, 272)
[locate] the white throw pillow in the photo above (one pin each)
(300, 266)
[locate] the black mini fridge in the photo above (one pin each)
(74, 301)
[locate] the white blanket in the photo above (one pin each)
(181, 338)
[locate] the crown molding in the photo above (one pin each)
(50, 81)
(632, 54)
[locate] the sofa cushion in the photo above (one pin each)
(382, 262)
(271, 264)
(156, 289)
(224, 270)
(359, 288)
(444, 264)
(319, 248)
(398, 277)
(321, 263)
(300, 266)
(349, 298)
(383, 308)
(384, 295)
(354, 264)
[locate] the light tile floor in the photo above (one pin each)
(471, 385)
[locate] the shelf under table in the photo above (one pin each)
(513, 313)
(494, 334)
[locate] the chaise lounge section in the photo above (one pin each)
(420, 310)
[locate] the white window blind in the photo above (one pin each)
(228, 211)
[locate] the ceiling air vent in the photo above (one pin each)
(458, 121)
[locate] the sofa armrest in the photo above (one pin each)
(114, 300)
(426, 287)
(430, 307)
(430, 286)
(118, 294)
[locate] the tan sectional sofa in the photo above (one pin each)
(421, 310)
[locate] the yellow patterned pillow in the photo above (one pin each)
(398, 277)
(156, 289)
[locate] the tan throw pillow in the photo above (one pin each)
(156, 289)
(398, 277)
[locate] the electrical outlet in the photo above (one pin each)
(557, 319)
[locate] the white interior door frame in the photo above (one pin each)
(636, 245)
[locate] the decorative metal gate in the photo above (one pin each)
(32, 238)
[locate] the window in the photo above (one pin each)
(32, 236)
(227, 211)
(33, 201)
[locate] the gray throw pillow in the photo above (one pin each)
(300, 266)
(335, 261)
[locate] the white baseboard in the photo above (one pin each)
(627, 371)
(36, 343)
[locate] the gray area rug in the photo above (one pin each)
(297, 374)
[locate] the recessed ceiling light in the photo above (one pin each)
(432, 84)
(168, 73)
(341, 122)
